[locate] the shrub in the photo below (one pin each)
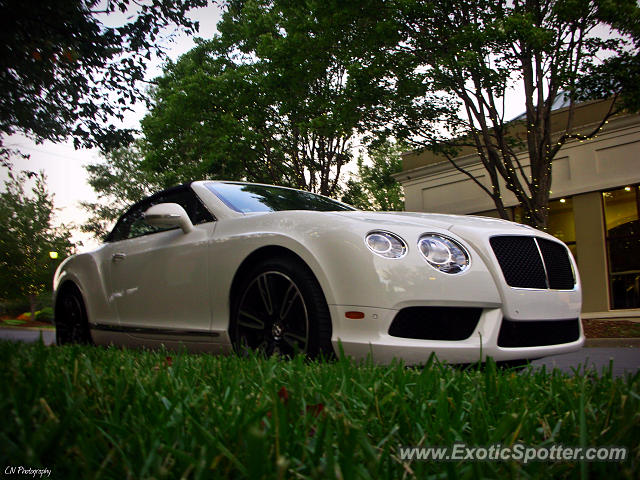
(15, 307)
(44, 315)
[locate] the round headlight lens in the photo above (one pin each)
(386, 244)
(443, 253)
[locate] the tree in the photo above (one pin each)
(119, 181)
(459, 61)
(276, 97)
(27, 237)
(374, 188)
(64, 73)
(203, 122)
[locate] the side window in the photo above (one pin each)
(189, 201)
(139, 227)
(132, 224)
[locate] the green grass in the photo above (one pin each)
(13, 321)
(108, 413)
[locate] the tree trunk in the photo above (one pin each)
(32, 306)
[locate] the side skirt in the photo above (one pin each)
(153, 331)
(172, 339)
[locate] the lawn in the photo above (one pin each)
(88, 412)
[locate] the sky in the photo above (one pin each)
(63, 165)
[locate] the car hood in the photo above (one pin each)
(454, 223)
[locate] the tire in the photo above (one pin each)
(72, 325)
(279, 309)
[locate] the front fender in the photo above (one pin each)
(86, 272)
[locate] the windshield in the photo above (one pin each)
(248, 198)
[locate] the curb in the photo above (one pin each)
(612, 342)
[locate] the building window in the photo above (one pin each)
(621, 208)
(560, 223)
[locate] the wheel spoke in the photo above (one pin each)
(251, 321)
(295, 341)
(265, 293)
(287, 301)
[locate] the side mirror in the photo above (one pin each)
(168, 215)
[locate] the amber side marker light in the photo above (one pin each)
(354, 315)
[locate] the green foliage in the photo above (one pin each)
(65, 73)
(44, 315)
(459, 62)
(277, 97)
(283, 92)
(13, 322)
(14, 307)
(26, 238)
(374, 188)
(196, 128)
(86, 413)
(119, 181)
(619, 73)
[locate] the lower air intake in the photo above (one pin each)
(435, 323)
(538, 333)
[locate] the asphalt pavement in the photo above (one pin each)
(28, 335)
(597, 360)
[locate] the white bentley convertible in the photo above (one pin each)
(216, 266)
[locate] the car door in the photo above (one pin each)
(159, 278)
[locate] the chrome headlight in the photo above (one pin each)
(386, 244)
(443, 253)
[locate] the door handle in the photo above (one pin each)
(116, 257)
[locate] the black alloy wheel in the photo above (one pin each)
(71, 319)
(280, 310)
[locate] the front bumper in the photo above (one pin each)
(369, 337)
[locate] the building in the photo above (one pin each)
(594, 208)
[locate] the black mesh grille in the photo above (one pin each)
(522, 266)
(520, 261)
(558, 265)
(538, 333)
(435, 323)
